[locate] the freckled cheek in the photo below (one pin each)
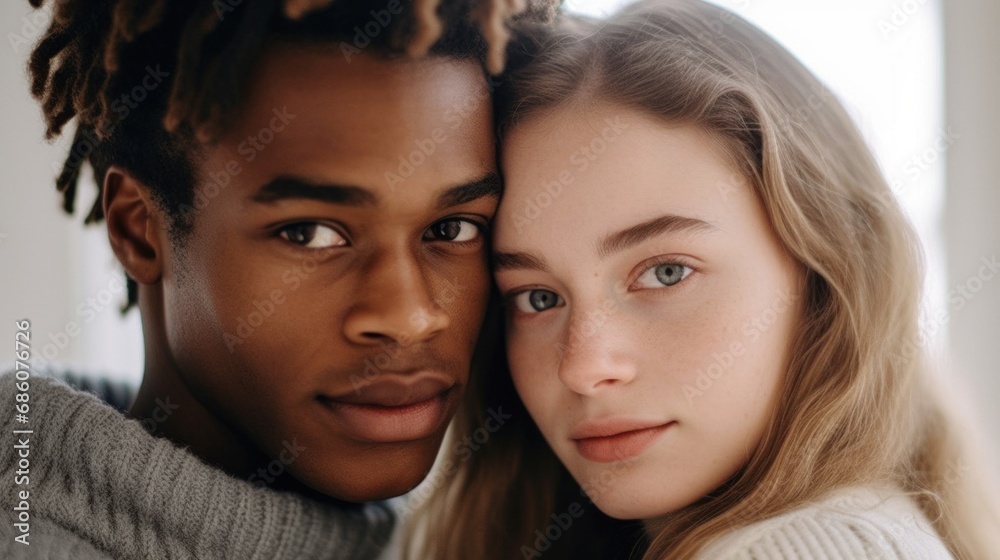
(674, 350)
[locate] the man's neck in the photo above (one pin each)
(167, 408)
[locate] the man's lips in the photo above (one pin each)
(394, 407)
(395, 389)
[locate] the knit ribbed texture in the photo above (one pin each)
(851, 524)
(102, 487)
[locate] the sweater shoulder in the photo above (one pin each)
(117, 394)
(47, 540)
(851, 524)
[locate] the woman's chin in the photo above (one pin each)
(626, 504)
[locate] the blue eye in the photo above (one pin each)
(664, 274)
(536, 301)
(455, 230)
(312, 235)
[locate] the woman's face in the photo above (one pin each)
(650, 306)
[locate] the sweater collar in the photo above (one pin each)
(103, 477)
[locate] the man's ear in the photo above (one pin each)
(133, 225)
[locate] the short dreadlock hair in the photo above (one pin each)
(96, 52)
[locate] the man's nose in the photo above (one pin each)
(395, 303)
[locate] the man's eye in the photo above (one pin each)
(536, 301)
(664, 274)
(454, 230)
(312, 235)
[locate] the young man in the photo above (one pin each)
(299, 199)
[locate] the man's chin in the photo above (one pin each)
(370, 490)
(366, 481)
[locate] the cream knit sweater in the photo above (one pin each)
(101, 487)
(851, 524)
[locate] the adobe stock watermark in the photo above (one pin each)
(292, 279)
(390, 350)
(218, 179)
(225, 7)
(917, 164)
(802, 113)
(899, 16)
(130, 100)
(563, 521)
(462, 451)
(263, 307)
(717, 27)
(579, 161)
(545, 538)
(87, 311)
(162, 412)
(267, 474)
(425, 148)
(900, 528)
(714, 29)
(593, 321)
(958, 297)
(733, 185)
(363, 35)
(965, 291)
(752, 330)
(122, 108)
(31, 28)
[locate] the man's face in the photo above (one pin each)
(335, 280)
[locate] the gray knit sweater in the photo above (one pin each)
(101, 487)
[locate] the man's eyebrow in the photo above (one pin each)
(285, 188)
(633, 235)
(486, 187)
(518, 261)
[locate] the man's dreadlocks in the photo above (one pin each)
(95, 52)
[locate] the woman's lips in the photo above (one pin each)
(393, 409)
(616, 441)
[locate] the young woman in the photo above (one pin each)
(712, 318)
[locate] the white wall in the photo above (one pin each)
(50, 266)
(972, 205)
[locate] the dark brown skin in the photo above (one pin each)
(396, 287)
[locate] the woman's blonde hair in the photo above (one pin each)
(856, 406)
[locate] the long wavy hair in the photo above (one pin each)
(857, 405)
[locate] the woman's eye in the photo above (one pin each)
(666, 274)
(312, 235)
(535, 301)
(454, 230)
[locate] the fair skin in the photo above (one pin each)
(650, 357)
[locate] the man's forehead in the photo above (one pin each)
(368, 70)
(369, 97)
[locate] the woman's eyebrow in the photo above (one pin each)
(518, 261)
(633, 235)
(611, 243)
